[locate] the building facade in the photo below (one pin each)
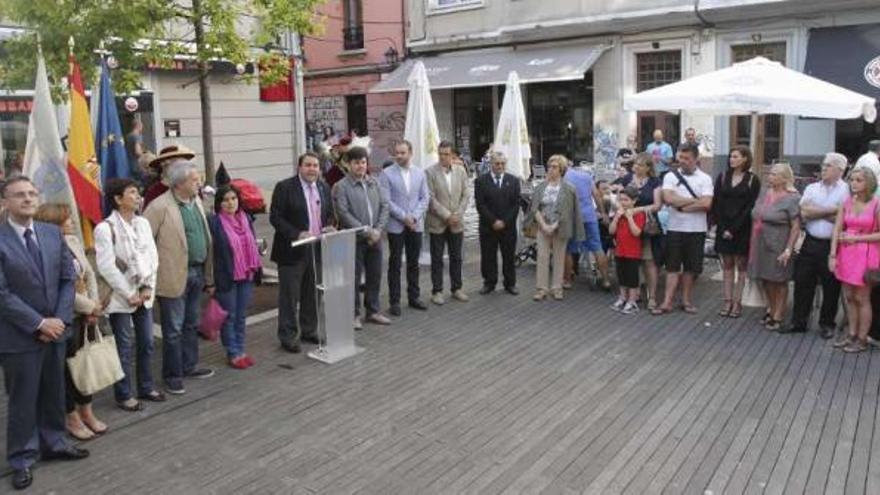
(580, 59)
(357, 46)
(253, 137)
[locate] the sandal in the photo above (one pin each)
(92, 424)
(726, 309)
(736, 310)
(82, 433)
(856, 346)
(652, 304)
(689, 309)
(766, 319)
(660, 310)
(842, 342)
(130, 405)
(773, 325)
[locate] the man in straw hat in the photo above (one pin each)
(159, 167)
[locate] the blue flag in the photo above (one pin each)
(109, 140)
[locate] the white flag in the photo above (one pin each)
(44, 160)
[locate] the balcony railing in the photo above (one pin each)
(353, 37)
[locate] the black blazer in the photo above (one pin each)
(289, 215)
(494, 203)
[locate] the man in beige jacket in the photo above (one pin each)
(447, 183)
(183, 241)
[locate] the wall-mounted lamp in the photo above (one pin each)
(756, 38)
(391, 56)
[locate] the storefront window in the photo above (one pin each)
(561, 119)
(474, 129)
(769, 147)
(14, 114)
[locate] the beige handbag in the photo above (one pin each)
(96, 365)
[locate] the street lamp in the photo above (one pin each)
(391, 56)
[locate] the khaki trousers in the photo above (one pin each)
(550, 247)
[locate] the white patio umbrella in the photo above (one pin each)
(512, 134)
(756, 87)
(421, 122)
(421, 130)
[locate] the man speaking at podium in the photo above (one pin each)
(301, 208)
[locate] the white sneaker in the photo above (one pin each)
(630, 309)
(437, 298)
(459, 295)
(618, 305)
(358, 324)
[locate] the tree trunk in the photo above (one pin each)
(204, 97)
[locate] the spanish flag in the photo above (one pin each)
(83, 169)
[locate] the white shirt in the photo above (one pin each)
(405, 173)
(20, 230)
(447, 174)
(702, 185)
(820, 195)
(871, 161)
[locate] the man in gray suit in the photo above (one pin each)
(37, 278)
(408, 198)
(447, 183)
(360, 202)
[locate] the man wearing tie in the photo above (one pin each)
(497, 195)
(408, 199)
(301, 208)
(37, 279)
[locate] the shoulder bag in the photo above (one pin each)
(96, 365)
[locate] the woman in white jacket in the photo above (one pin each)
(127, 261)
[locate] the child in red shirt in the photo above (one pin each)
(626, 227)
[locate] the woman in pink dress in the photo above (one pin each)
(854, 251)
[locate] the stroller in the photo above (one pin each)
(530, 250)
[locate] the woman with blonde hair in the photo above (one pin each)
(854, 252)
(81, 421)
(556, 214)
(775, 229)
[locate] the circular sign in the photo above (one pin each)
(872, 72)
(131, 104)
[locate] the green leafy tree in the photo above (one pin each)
(142, 32)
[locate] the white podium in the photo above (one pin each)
(334, 294)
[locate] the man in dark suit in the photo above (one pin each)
(37, 279)
(301, 208)
(497, 195)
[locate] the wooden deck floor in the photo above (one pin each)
(504, 395)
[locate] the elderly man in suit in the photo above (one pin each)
(408, 199)
(301, 208)
(360, 202)
(448, 185)
(497, 195)
(37, 278)
(186, 269)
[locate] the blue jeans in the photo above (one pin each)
(139, 334)
(180, 325)
(235, 301)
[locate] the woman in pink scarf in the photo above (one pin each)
(237, 266)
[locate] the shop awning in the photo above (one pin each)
(848, 56)
(491, 67)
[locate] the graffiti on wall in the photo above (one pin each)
(605, 144)
(387, 121)
(385, 125)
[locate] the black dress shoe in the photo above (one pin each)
(418, 304)
(292, 347)
(791, 329)
(22, 478)
(512, 290)
(826, 332)
(69, 454)
(310, 339)
(394, 310)
(487, 290)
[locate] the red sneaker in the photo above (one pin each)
(239, 363)
(249, 360)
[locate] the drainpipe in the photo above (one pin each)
(700, 16)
